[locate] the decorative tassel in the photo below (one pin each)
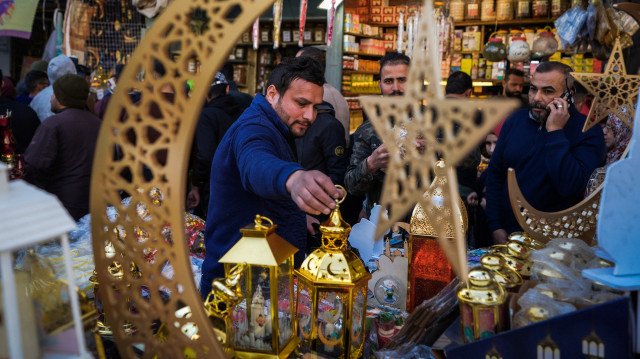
(332, 17)
(303, 21)
(255, 33)
(277, 21)
(400, 42)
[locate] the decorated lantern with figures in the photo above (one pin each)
(261, 324)
(332, 295)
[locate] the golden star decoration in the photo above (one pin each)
(449, 128)
(615, 92)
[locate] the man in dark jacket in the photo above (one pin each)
(60, 156)
(544, 143)
(23, 120)
(218, 114)
(255, 171)
(322, 148)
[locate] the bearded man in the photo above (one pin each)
(544, 143)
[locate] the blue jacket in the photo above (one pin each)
(250, 168)
(552, 168)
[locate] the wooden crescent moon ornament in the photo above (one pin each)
(578, 221)
(152, 138)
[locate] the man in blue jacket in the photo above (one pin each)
(254, 170)
(544, 143)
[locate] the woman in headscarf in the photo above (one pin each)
(616, 138)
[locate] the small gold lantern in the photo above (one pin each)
(505, 276)
(516, 257)
(526, 240)
(481, 306)
(332, 294)
(262, 323)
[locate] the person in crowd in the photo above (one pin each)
(331, 94)
(34, 82)
(365, 173)
(545, 145)
(23, 120)
(323, 147)
(8, 88)
(219, 113)
(58, 67)
(243, 99)
(60, 156)
(616, 139)
(582, 99)
(254, 169)
(100, 107)
(512, 86)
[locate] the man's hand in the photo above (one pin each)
(310, 222)
(193, 198)
(558, 114)
(379, 159)
(499, 236)
(312, 191)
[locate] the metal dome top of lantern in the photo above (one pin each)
(420, 223)
(333, 262)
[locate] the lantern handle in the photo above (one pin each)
(344, 191)
(260, 222)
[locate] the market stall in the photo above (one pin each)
(412, 290)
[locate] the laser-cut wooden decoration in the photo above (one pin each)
(578, 221)
(449, 128)
(153, 137)
(615, 92)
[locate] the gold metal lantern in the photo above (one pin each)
(332, 295)
(262, 323)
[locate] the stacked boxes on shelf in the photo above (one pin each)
(360, 84)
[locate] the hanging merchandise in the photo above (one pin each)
(77, 25)
(255, 32)
(303, 20)
(400, 39)
(277, 21)
(570, 23)
(558, 7)
(16, 17)
(409, 35)
(519, 49)
(332, 20)
(488, 10)
(494, 50)
(545, 44)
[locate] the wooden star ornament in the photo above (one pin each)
(615, 92)
(449, 130)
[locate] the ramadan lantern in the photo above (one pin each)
(429, 268)
(332, 295)
(482, 303)
(262, 322)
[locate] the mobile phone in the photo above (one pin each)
(566, 95)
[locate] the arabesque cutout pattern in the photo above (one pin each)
(149, 297)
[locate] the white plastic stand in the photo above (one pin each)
(31, 216)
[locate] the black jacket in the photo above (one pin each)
(216, 118)
(323, 147)
(24, 122)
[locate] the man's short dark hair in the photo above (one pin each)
(549, 66)
(458, 83)
(394, 58)
(514, 72)
(314, 53)
(33, 78)
(303, 68)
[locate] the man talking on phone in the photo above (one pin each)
(545, 145)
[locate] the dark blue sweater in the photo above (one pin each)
(552, 168)
(248, 176)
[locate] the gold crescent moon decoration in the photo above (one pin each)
(153, 137)
(578, 221)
